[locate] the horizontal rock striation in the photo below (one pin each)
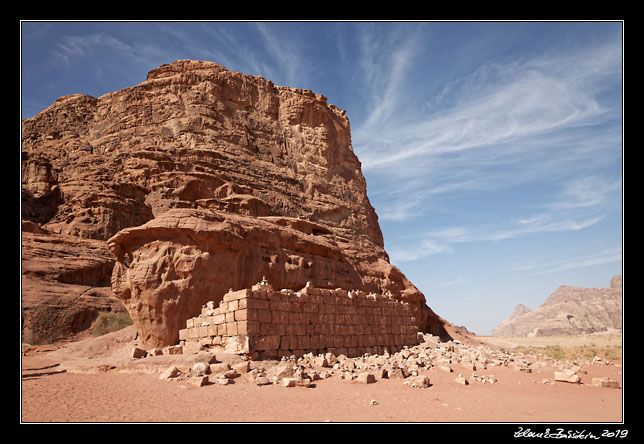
(271, 168)
(65, 285)
(194, 135)
(568, 311)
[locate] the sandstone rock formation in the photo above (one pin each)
(509, 326)
(226, 178)
(65, 284)
(568, 310)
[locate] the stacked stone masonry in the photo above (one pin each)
(270, 324)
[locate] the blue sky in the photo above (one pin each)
(492, 150)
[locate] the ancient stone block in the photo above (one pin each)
(139, 353)
(257, 304)
(461, 380)
(241, 315)
(231, 328)
(199, 381)
(267, 328)
(366, 378)
(567, 376)
(264, 316)
(604, 382)
(420, 381)
(268, 342)
(249, 328)
(239, 294)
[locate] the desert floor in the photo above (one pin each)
(51, 393)
(607, 339)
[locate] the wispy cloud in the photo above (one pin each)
(72, 47)
(580, 204)
(385, 61)
(584, 259)
(76, 48)
(458, 281)
(400, 209)
(281, 58)
(252, 48)
(284, 51)
(588, 192)
(499, 104)
(426, 247)
(445, 240)
(498, 127)
(118, 59)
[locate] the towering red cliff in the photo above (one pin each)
(204, 179)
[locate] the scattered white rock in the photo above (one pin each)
(201, 368)
(417, 381)
(366, 378)
(199, 381)
(461, 380)
(604, 382)
(170, 373)
(568, 376)
(262, 380)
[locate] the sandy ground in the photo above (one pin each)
(52, 393)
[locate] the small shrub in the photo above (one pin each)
(614, 353)
(110, 322)
(589, 352)
(526, 350)
(554, 351)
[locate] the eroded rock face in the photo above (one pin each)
(65, 284)
(196, 142)
(168, 268)
(568, 310)
(195, 135)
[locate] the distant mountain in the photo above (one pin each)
(568, 311)
(509, 326)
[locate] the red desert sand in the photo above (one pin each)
(71, 383)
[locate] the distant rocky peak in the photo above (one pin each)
(568, 310)
(520, 310)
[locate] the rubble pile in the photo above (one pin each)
(409, 365)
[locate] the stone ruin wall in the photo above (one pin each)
(269, 324)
